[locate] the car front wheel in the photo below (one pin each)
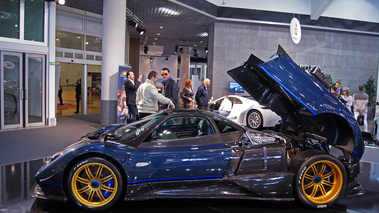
(320, 179)
(255, 120)
(94, 184)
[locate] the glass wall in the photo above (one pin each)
(34, 21)
(69, 40)
(10, 18)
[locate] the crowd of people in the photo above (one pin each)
(357, 103)
(144, 99)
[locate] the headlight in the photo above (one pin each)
(52, 158)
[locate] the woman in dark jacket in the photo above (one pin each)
(187, 94)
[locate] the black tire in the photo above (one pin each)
(95, 184)
(254, 119)
(320, 179)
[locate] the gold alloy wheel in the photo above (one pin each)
(94, 184)
(322, 182)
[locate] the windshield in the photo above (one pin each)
(134, 129)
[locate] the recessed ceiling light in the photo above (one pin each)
(167, 11)
(161, 27)
(158, 34)
(155, 38)
(203, 34)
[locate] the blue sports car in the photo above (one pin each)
(199, 154)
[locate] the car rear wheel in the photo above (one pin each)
(320, 179)
(255, 120)
(94, 184)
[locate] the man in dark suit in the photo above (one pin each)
(170, 88)
(130, 90)
(202, 96)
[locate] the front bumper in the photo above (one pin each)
(38, 192)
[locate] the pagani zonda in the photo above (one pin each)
(196, 154)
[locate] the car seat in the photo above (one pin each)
(204, 128)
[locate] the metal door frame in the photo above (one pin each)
(26, 86)
(21, 92)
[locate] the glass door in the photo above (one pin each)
(11, 90)
(34, 90)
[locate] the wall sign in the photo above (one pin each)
(295, 30)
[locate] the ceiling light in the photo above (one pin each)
(161, 27)
(61, 2)
(206, 49)
(158, 34)
(141, 31)
(151, 59)
(203, 34)
(168, 12)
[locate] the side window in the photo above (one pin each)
(237, 101)
(225, 128)
(183, 127)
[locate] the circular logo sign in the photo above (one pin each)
(9, 65)
(295, 30)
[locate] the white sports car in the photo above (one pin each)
(247, 111)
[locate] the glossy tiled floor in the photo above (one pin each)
(16, 180)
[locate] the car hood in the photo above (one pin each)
(301, 99)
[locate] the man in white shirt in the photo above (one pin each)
(225, 107)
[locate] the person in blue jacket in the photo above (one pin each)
(202, 96)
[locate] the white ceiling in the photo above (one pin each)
(359, 10)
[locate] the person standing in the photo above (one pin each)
(170, 88)
(187, 94)
(202, 96)
(131, 95)
(78, 93)
(148, 96)
(60, 91)
(347, 97)
(338, 86)
(360, 102)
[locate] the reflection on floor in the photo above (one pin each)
(69, 108)
(16, 180)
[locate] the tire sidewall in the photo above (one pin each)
(301, 172)
(83, 162)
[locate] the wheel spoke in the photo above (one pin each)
(310, 177)
(88, 172)
(107, 188)
(322, 189)
(100, 195)
(90, 196)
(109, 177)
(323, 167)
(309, 185)
(328, 183)
(82, 180)
(314, 169)
(84, 189)
(330, 174)
(314, 191)
(99, 170)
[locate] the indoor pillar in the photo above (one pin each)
(114, 28)
(184, 66)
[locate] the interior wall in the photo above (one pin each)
(157, 63)
(347, 57)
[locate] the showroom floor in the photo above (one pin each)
(22, 153)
